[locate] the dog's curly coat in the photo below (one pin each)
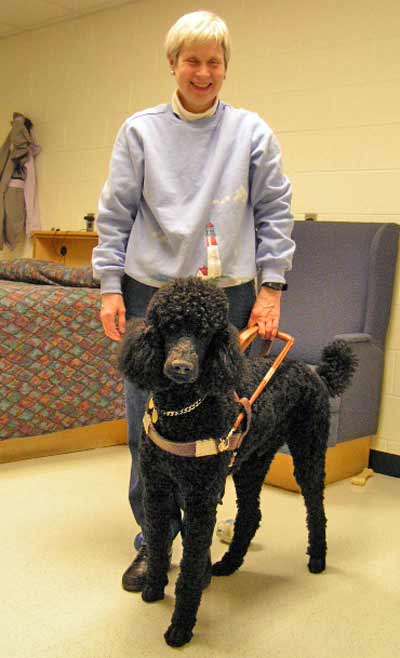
(185, 349)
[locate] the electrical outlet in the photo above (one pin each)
(310, 216)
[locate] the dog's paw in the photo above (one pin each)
(176, 636)
(152, 594)
(224, 567)
(316, 564)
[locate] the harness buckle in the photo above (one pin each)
(224, 444)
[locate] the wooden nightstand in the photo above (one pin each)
(72, 248)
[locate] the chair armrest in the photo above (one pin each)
(359, 406)
(354, 338)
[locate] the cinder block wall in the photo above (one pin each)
(324, 73)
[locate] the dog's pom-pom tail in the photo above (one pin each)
(337, 366)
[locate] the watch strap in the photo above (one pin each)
(274, 285)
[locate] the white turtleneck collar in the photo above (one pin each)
(191, 116)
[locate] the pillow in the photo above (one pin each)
(29, 270)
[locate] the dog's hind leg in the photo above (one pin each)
(309, 471)
(248, 482)
(200, 516)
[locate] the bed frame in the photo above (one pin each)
(100, 435)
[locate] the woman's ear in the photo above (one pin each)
(171, 64)
(141, 355)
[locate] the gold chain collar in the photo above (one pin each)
(156, 413)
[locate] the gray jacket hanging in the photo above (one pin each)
(14, 156)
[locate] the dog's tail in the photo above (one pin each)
(338, 364)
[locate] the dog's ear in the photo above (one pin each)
(223, 363)
(141, 354)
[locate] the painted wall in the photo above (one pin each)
(324, 73)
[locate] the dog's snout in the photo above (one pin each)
(181, 367)
(181, 370)
(182, 363)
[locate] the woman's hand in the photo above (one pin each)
(112, 315)
(266, 313)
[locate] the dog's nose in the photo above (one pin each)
(181, 367)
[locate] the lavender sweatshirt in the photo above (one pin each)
(170, 178)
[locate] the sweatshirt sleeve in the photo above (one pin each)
(271, 194)
(118, 206)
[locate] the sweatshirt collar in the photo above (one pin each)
(180, 111)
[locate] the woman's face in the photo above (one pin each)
(199, 72)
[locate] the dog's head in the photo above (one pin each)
(185, 339)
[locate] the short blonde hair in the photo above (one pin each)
(198, 27)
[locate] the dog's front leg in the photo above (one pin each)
(197, 536)
(157, 506)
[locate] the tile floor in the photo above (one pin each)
(66, 532)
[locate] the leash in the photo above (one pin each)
(234, 438)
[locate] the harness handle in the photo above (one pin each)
(246, 337)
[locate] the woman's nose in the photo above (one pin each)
(203, 71)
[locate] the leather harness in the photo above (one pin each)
(234, 438)
(201, 447)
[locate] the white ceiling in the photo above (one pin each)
(18, 16)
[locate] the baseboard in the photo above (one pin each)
(342, 461)
(100, 435)
(385, 463)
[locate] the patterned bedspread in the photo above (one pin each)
(57, 369)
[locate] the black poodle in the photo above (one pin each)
(188, 356)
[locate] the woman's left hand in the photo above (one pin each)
(266, 313)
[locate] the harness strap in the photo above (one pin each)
(200, 448)
(245, 402)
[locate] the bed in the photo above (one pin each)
(60, 390)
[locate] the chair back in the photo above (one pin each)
(341, 283)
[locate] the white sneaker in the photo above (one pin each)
(225, 530)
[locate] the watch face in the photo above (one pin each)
(273, 286)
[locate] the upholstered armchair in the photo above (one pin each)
(341, 286)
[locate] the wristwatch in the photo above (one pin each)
(274, 285)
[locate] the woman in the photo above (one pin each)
(195, 188)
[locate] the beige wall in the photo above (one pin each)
(324, 73)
